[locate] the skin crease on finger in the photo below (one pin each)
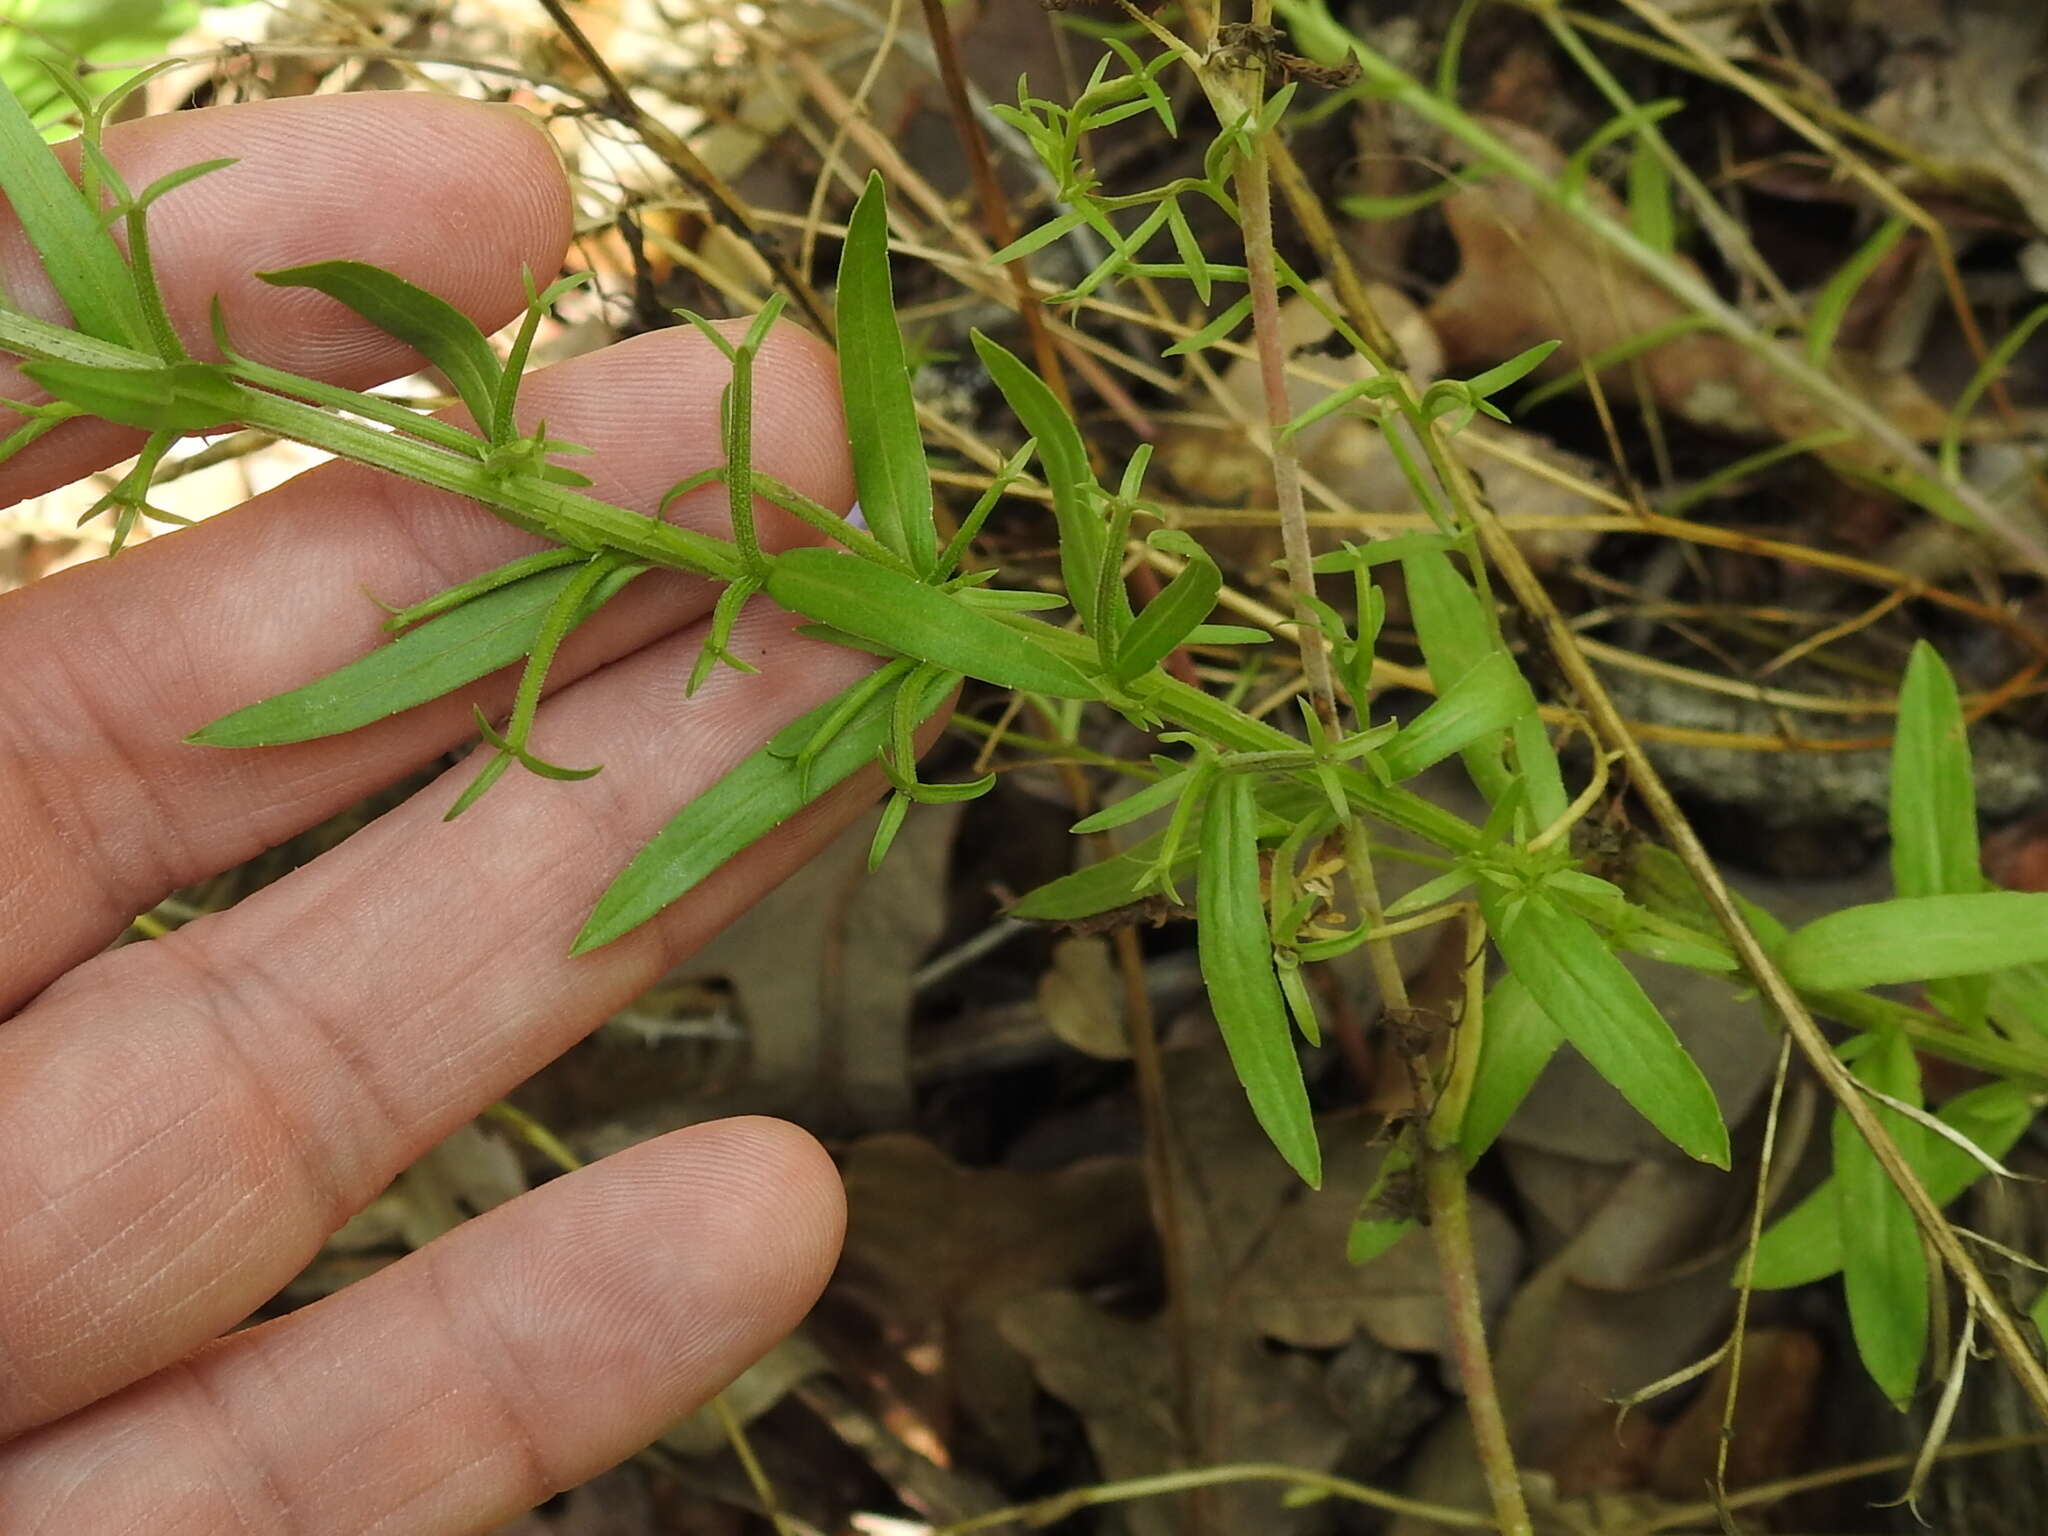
(313, 180)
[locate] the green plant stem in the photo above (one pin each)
(1450, 1228)
(1255, 201)
(526, 501)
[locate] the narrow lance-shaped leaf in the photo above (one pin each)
(1832, 306)
(177, 397)
(1918, 938)
(1934, 809)
(1153, 797)
(430, 325)
(757, 796)
(1456, 637)
(443, 654)
(1513, 371)
(1236, 952)
(890, 609)
(1805, 1244)
(1132, 875)
(1518, 1041)
(1933, 796)
(1382, 1221)
(1884, 1269)
(881, 415)
(1482, 703)
(81, 260)
(1575, 978)
(1067, 473)
(1173, 615)
(1101, 887)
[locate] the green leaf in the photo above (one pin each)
(1571, 181)
(1224, 322)
(1449, 620)
(1575, 978)
(1518, 1041)
(1805, 1244)
(176, 397)
(1044, 235)
(1884, 1270)
(1100, 887)
(430, 325)
(1542, 774)
(1516, 368)
(751, 801)
(99, 32)
(1831, 307)
(1918, 938)
(1398, 205)
(1153, 797)
(170, 181)
(1236, 951)
(2019, 999)
(1650, 213)
(1067, 475)
(1934, 809)
(1375, 1228)
(874, 381)
(1486, 700)
(1168, 619)
(82, 261)
(904, 614)
(1363, 557)
(1934, 796)
(1949, 454)
(1456, 637)
(457, 647)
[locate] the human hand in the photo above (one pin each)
(187, 1120)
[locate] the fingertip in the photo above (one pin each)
(778, 1214)
(793, 1173)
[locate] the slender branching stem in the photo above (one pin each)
(1450, 1226)
(1255, 202)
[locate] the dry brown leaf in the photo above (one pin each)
(1082, 998)
(1301, 1289)
(822, 970)
(936, 1250)
(1118, 1375)
(1263, 1264)
(749, 1395)
(1528, 273)
(1977, 104)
